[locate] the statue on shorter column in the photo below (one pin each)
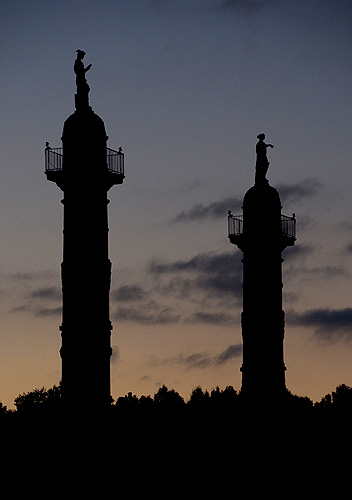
(262, 163)
(81, 82)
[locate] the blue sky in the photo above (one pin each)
(184, 87)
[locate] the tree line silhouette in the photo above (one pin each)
(210, 425)
(228, 401)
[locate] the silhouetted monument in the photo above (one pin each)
(262, 163)
(81, 98)
(262, 233)
(85, 169)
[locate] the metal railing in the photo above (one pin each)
(114, 160)
(288, 226)
(53, 159)
(235, 225)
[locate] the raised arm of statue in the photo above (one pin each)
(79, 68)
(80, 71)
(261, 148)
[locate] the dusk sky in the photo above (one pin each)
(185, 87)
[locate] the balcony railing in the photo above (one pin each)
(53, 159)
(235, 225)
(288, 226)
(114, 160)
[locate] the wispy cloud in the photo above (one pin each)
(36, 310)
(115, 356)
(307, 188)
(24, 276)
(51, 311)
(215, 210)
(39, 297)
(207, 262)
(212, 318)
(128, 293)
(299, 252)
(201, 359)
(328, 324)
(305, 273)
(150, 313)
(21, 309)
(233, 351)
(216, 274)
(205, 283)
(218, 209)
(48, 292)
(203, 287)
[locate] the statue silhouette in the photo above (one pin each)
(81, 82)
(262, 163)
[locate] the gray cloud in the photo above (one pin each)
(202, 359)
(33, 276)
(288, 193)
(158, 314)
(216, 274)
(20, 309)
(115, 354)
(233, 351)
(212, 318)
(22, 276)
(296, 192)
(330, 271)
(37, 310)
(209, 262)
(329, 324)
(298, 252)
(178, 287)
(53, 311)
(208, 280)
(196, 360)
(215, 210)
(36, 293)
(150, 313)
(128, 293)
(318, 272)
(49, 292)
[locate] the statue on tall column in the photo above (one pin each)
(262, 163)
(81, 82)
